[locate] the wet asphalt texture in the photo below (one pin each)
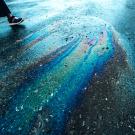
(107, 107)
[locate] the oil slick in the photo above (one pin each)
(48, 87)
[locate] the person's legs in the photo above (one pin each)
(4, 11)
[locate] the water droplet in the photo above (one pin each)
(40, 108)
(21, 107)
(17, 110)
(51, 94)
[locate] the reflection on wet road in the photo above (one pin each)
(66, 70)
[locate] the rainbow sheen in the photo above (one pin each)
(59, 68)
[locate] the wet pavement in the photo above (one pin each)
(69, 69)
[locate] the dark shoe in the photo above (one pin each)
(14, 20)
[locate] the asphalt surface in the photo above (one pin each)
(105, 107)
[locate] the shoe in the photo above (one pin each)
(14, 20)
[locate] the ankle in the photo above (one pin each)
(9, 16)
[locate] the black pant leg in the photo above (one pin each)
(4, 10)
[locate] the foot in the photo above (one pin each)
(14, 20)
